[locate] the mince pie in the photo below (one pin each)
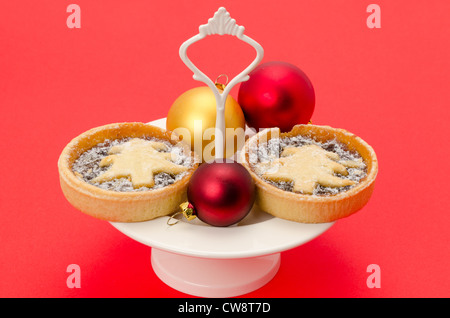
(312, 174)
(126, 172)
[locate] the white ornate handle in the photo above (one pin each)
(221, 23)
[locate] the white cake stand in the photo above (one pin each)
(206, 261)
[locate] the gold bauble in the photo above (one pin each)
(193, 117)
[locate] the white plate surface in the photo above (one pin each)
(257, 235)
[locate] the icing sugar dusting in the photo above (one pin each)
(87, 167)
(272, 149)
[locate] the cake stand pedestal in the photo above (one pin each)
(209, 277)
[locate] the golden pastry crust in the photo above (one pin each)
(120, 206)
(306, 208)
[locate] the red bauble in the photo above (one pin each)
(222, 192)
(278, 94)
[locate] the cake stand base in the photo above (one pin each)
(214, 278)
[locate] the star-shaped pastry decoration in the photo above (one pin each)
(138, 159)
(308, 166)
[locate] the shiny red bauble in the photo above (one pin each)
(277, 94)
(222, 192)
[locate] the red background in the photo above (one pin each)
(389, 85)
